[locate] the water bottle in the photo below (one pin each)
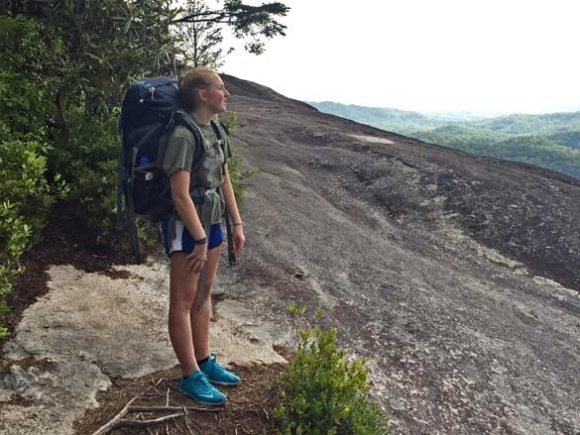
(142, 162)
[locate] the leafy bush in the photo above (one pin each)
(26, 198)
(26, 84)
(14, 236)
(26, 92)
(90, 164)
(325, 394)
(238, 176)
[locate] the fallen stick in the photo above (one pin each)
(170, 408)
(118, 420)
(142, 423)
(186, 418)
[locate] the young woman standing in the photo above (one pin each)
(189, 245)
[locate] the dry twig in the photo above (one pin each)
(170, 408)
(119, 419)
(167, 404)
(186, 418)
(116, 419)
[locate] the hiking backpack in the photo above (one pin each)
(150, 110)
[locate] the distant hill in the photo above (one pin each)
(398, 121)
(548, 140)
(545, 124)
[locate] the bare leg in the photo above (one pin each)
(200, 318)
(183, 288)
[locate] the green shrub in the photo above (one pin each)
(325, 394)
(26, 92)
(14, 238)
(23, 183)
(229, 119)
(26, 83)
(26, 198)
(238, 176)
(95, 191)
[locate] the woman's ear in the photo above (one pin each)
(202, 95)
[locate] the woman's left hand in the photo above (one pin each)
(238, 238)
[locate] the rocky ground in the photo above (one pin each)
(454, 274)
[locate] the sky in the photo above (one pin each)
(488, 57)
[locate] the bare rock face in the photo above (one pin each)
(455, 274)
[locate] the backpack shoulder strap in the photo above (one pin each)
(221, 132)
(185, 119)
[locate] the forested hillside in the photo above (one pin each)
(548, 140)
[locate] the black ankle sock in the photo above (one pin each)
(202, 361)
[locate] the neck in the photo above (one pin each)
(202, 115)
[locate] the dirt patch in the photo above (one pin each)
(249, 409)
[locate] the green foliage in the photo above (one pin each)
(26, 91)
(533, 149)
(26, 198)
(22, 182)
(323, 393)
(202, 40)
(238, 176)
(255, 24)
(229, 119)
(520, 124)
(14, 237)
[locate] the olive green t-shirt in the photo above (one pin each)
(179, 152)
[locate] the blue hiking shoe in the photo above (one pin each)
(199, 389)
(217, 374)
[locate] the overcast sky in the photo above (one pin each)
(492, 56)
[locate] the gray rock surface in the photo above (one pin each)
(455, 274)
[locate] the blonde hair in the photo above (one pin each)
(193, 80)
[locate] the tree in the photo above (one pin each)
(108, 42)
(247, 22)
(202, 40)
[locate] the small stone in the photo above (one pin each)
(86, 356)
(299, 273)
(16, 380)
(218, 294)
(397, 404)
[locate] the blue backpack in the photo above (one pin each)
(150, 110)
